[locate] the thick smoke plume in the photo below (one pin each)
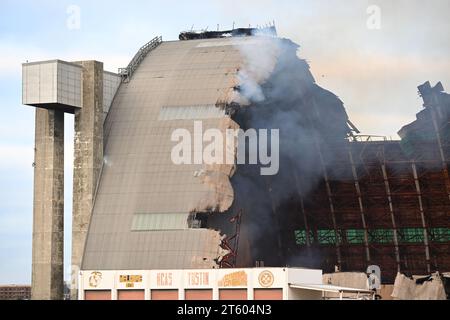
(277, 91)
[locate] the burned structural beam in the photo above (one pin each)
(360, 203)
(302, 208)
(331, 204)
(422, 216)
(276, 221)
(323, 168)
(441, 152)
(231, 244)
(391, 212)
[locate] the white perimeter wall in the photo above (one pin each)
(215, 279)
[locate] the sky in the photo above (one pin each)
(371, 53)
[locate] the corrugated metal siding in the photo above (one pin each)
(129, 250)
(139, 175)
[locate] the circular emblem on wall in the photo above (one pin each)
(95, 278)
(266, 279)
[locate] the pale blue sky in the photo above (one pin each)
(375, 72)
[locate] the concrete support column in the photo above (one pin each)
(48, 206)
(88, 158)
(422, 216)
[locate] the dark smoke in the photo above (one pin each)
(306, 115)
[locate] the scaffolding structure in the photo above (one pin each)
(381, 202)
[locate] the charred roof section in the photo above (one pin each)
(429, 121)
(239, 32)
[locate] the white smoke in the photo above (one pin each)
(259, 54)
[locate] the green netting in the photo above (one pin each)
(440, 235)
(411, 235)
(381, 236)
(328, 237)
(300, 237)
(355, 236)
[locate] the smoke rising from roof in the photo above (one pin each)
(278, 91)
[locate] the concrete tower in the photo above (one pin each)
(88, 158)
(54, 88)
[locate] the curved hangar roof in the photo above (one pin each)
(141, 211)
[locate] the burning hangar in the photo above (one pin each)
(341, 200)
